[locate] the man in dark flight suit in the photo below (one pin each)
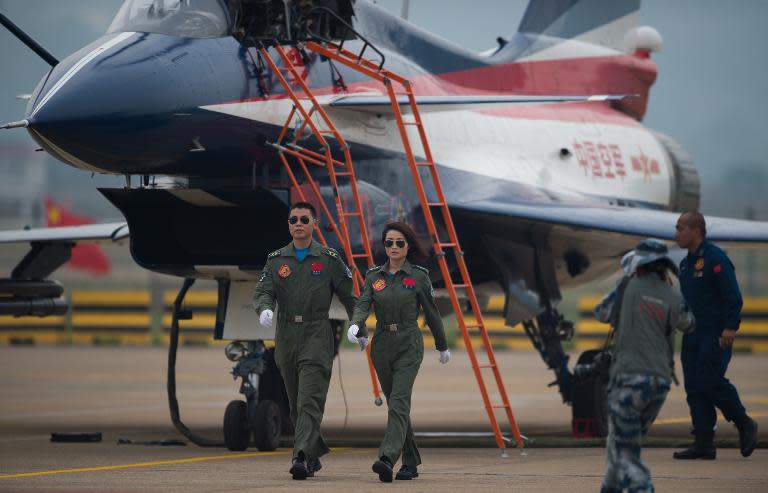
(708, 283)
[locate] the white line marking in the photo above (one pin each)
(79, 65)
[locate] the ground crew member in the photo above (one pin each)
(397, 289)
(648, 313)
(708, 282)
(302, 277)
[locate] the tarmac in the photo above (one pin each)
(121, 392)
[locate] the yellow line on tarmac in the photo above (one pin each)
(141, 464)
(160, 463)
(675, 421)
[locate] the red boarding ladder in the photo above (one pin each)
(322, 127)
(356, 62)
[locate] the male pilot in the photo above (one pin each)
(708, 283)
(302, 277)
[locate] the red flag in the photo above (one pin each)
(84, 256)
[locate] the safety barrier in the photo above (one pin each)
(133, 317)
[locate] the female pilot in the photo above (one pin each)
(397, 289)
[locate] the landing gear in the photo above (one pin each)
(547, 333)
(236, 429)
(259, 415)
(266, 425)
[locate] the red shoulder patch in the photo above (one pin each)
(717, 269)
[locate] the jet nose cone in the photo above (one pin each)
(86, 111)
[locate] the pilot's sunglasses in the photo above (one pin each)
(399, 243)
(295, 219)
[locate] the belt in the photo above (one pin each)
(395, 327)
(302, 318)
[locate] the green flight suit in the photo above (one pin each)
(398, 348)
(304, 339)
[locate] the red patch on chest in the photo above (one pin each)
(317, 268)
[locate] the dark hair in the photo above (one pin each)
(304, 205)
(696, 220)
(415, 250)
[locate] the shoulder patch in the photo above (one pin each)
(276, 253)
(332, 253)
(422, 269)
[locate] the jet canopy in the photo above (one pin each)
(181, 18)
(264, 21)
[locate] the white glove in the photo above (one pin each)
(445, 356)
(352, 333)
(265, 319)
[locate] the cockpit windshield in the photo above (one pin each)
(182, 18)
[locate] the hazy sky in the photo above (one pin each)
(711, 94)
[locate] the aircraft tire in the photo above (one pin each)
(236, 433)
(267, 426)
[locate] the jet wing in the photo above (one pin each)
(381, 104)
(627, 221)
(87, 233)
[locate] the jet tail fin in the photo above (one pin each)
(601, 22)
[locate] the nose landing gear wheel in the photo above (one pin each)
(236, 432)
(267, 426)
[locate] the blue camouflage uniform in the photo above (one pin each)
(708, 283)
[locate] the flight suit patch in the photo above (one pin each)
(284, 271)
(699, 264)
(409, 283)
(317, 268)
(379, 285)
(717, 269)
(276, 253)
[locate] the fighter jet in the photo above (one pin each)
(548, 171)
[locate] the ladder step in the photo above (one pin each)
(461, 286)
(418, 124)
(486, 366)
(424, 163)
(436, 204)
(474, 326)
(351, 213)
(501, 406)
(447, 245)
(343, 173)
(359, 255)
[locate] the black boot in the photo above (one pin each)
(313, 465)
(703, 448)
(299, 467)
(747, 435)
(407, 472)
(383, 467)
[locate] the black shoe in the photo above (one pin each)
(703, 448)
(747, 436)
(299, 469)
(407, 472)
(313, 465)
(383, 467)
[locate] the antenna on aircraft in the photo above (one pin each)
(404, 9)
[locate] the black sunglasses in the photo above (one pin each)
(295, 219)
(399, 243)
